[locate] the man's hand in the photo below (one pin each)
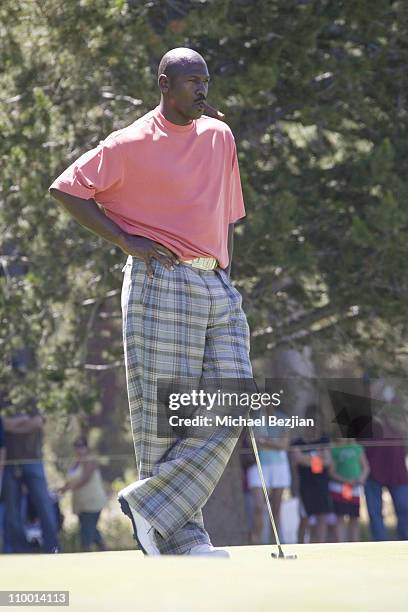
(210, 111)
(146, 249)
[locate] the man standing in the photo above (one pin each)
(170, 187)
(24, 436)
(388, 468)
(2, 454)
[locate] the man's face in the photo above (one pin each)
(188, 89)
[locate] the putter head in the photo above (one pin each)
(282, 556)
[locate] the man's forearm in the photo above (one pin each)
(16, 425)
(88, 214)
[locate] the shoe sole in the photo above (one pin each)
(127, 511)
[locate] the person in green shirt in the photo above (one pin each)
(348, 471)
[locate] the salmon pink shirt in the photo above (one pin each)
(176, 184)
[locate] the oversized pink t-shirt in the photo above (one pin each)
(176, 184)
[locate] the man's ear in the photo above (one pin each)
(164, 83)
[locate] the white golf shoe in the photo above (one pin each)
(209, 551)
(143, 532)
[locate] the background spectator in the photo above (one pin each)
(312, 463)
(2, 453)
(349, 470)
(273, 443)
(88, 494)
(387, 469)
(24, 434)
(2, 459)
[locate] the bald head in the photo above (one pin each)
(183, 80)
(177, 60)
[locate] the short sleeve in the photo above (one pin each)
(95, 171)
(237, 208)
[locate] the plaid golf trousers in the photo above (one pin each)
(184, 322)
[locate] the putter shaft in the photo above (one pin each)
(281, 554)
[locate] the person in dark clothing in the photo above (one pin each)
(312, 457)
(24, 433)
(2, 453)
(2, 459)
(387, 469)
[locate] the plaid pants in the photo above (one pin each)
(182, 323)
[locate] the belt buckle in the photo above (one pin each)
(204, 263)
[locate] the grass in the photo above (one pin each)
(355, 577)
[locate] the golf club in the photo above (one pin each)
(280, 554)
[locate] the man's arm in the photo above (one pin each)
(88, 468)
(22, 424)
(230, 247)
(88, 214)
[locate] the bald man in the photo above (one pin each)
(170, 191)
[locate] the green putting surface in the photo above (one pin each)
(363, 576)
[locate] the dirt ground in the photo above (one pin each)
(361, 577)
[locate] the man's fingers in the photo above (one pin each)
(149, 267)
(162, 255)
(165, 261)
(162, 252)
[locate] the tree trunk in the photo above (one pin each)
(224, 513)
